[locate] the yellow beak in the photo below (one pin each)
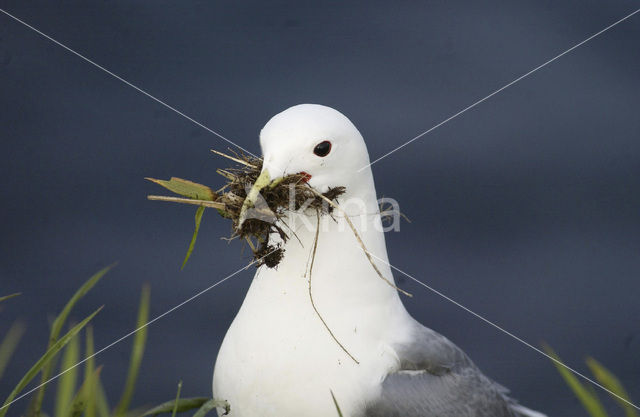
(264, 180)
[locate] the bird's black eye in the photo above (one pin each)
(323, 148)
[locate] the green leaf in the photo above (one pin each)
(58, 323)
(89, 370)
(136, 353)
(102, 403)
(335, 402)
(586, 395)
(186, 188)
(49, 354)
(6, 297)
(211, 405)
(85, 394)
(175, 403)
(81, 292)
(183, 404)
(68, 381)
(97, 404)
(610, 382)
(9, 344)
(199, 213)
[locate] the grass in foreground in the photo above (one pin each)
(587, 394)
(79, 395)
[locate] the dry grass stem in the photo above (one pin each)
(313, 304)
(362, 245)
(203, 203)
(238, 160)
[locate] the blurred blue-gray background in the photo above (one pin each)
(526, 209)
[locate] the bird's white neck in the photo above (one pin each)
(337, 276)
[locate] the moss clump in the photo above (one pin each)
(287, 194)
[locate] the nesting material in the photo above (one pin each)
(266, 218)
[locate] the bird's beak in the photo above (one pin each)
(263, 181)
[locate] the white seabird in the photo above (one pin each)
(279, 359)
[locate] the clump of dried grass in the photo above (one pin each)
(287, 194)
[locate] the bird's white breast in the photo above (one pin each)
(278, 359)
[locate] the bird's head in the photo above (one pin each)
(314, 140)
(318, 142)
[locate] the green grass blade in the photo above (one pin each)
(175, 405)
(186, 188)
(44, 360)
(335, 402)
(587, 396)
(84, 394)
(135, 412)
(81, 292)
(9, 344)
(90, 363)
(6, 297)
(183, 404)
(89, 369)
(199, 213)
(136, 353)
(56, 328)
(610, 382)
(211, 405)
(102, 402)
(68, 381)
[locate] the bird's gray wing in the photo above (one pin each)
(437, 379)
